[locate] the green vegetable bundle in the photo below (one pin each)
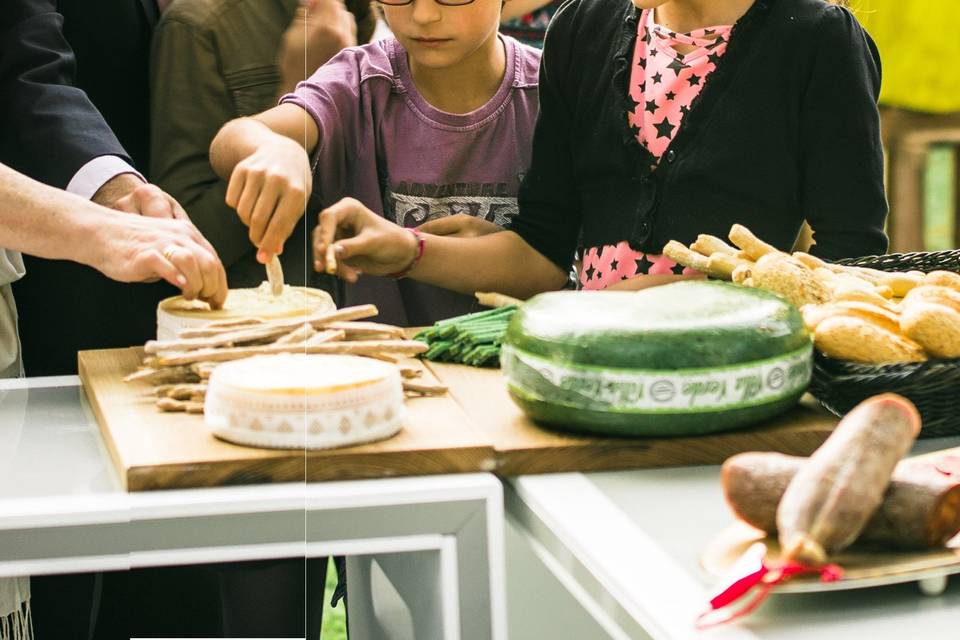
(473, 339)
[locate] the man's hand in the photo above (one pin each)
(127, 192)
(141, 249)
(363, 242)
(460, 225)
(269, 190)
(320, 29)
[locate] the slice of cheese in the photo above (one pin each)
(299, 401)
(176, 314)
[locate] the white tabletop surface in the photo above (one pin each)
(50, 444)
(631, 541)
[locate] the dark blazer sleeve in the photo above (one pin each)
(842, 190)
(48, 128)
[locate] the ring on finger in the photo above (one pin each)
(169, 250)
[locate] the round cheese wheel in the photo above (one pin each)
(681, 359)
(300, 401)
(176, 314)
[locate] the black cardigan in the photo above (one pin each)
(785, 129)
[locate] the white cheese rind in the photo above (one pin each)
(324, 413)
(176, 314)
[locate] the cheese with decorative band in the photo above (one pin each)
(692, 390)
(681, 359)
(299, 401)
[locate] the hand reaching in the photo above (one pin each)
(363, 241)
(139, 249)
(269, 190)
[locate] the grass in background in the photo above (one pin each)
(334, 619)
(939, 217)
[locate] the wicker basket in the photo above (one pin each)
(933, 386)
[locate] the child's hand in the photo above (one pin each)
(269, 190)
(460, 225)
(363, 242)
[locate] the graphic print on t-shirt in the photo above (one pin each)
(410, 204)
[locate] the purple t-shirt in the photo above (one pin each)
(382, 143)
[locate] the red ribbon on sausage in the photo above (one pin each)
(949, 466)
(751, 573)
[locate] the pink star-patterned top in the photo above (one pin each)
(663, 84)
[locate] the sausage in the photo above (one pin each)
(829, 501)
(920, 509)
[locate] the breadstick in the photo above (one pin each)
(261, 332)
(831, 498)
(424, 389)
(184, 406)
(204, 369)
(496, 300)
(359, 347)
(300, 334)
(382, 357)
(181, 391)
(754, 247)
(163, 375)
(275, 276)
(680, 254)
(743, 274)
(322, 337)
(812, 261)
(406, 371)
(722, 265)
(361, 329)
(331, 259)
(709, 245)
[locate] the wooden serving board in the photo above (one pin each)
(523, 447)
(862, 568)
(154, 450)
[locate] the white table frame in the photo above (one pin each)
(439, 539)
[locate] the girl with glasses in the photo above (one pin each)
(431, 129)
(661, 120)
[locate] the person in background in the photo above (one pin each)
(104, 161)
(527, 20)
(215, 60)
(212, 61)
(51, 223)
(430, 129)
(51, 131)
(661, 120)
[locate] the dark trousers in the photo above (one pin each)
(273, 598)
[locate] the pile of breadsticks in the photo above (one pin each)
(179, 369)
(854, 313)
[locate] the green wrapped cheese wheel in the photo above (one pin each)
(682, 359)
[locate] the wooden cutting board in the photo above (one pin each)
(476, 428)
(154, 450)
(522, 447)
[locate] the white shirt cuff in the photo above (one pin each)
(96, 173)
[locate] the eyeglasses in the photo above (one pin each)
(403, 3)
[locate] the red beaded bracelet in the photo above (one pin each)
(416, 259)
